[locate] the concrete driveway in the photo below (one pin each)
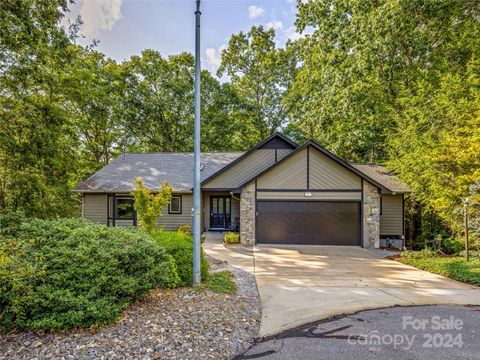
(303, 284)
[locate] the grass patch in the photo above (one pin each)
(219, 282)
(454, 267)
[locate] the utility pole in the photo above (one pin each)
(465, 221)
(196, 157)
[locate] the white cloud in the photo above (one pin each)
(100, 15)
(255, 11)
(275, 25)
(292, 34)
(213, 58)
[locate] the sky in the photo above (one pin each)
(126, 27)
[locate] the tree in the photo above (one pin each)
(261, 75)
(396, 82)
(94, 94)
(149, 206)
(36, 136)
(157, 110)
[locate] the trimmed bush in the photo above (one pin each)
(71, 273)
(180, 246)
(231, 238)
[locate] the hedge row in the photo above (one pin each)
(59, 274)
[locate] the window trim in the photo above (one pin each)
(115, 208)
(170, 203)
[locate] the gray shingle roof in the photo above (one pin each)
(154, 168)
(177, 168)
(383, 176)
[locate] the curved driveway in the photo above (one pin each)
(302, 284)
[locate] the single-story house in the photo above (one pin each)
(275, 193)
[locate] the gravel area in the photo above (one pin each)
(169, 324)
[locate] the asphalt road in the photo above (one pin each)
(420, 332)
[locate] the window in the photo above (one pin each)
(124, 208)
(175, 206)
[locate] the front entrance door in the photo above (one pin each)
(220, 212)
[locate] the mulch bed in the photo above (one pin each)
(169, 324)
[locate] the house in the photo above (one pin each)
(276, 193)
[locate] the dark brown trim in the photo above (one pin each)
(312, 200)
(114, 211)
(361, 217)
(240, 158)
(309, 190)
(108, 209)
(219, 189)
(181, 204)
(308, 167)
(381, 205)
(403, 217)
(276, 155)
(256, 213)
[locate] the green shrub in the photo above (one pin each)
(452, 246)
(10, 223)
(231, 238)
(70, 273)
(180, 246)
(184, 229)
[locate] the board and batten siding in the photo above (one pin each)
(290, 174)
(245, 169)
(391, 219)
(324, 174)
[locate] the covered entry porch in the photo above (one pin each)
(221, 211)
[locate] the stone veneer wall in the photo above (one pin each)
(371, 216)
(247, 214)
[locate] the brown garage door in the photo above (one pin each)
(308, 222)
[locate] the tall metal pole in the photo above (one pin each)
(196, 183)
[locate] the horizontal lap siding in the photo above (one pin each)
(244, 170)
(318, 196)
(391, 220)
(170, 222)
(95, 208)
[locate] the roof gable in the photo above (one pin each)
(275, 141)
(329, 155)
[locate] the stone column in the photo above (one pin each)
(371, 216)
(247, 215)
